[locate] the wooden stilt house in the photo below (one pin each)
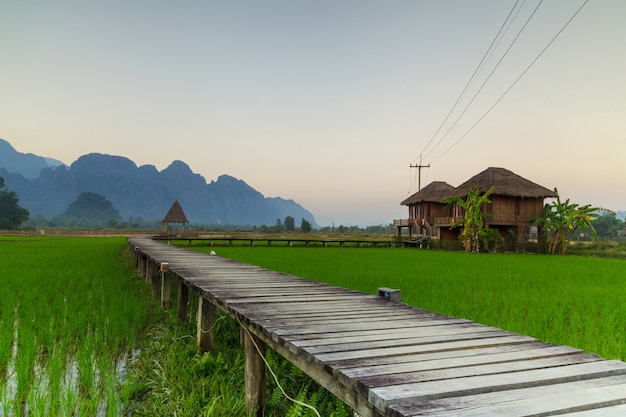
(175, 215)
(425, 207)
(515, 203)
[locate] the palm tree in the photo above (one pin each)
(562, 218)
(472, 222)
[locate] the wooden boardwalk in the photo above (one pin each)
(381, 357)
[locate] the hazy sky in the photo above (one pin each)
(326, 102)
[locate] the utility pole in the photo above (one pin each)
(419, 172)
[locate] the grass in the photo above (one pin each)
(569, 300)
(68, 313)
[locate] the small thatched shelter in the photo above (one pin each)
(175, 215)
(424, 206)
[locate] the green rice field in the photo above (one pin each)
(69, 318)
(570, 300)
(79, 335)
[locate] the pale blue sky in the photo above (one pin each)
(323, 102)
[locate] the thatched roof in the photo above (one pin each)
(175, 214)
(505, 183)
(433, 192)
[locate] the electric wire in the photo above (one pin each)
(519, 33)
(473, 77)
(514, 82)
(269, 368)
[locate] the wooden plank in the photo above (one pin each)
(356, 340)
(606, 411)
(419, 364)
(287, 299)
(356, 325)
(382, 397)
(366, 383)
(315, 307)
(410, 326)
(332, 360)
(389, 347)
(279, 319)
(585, 398)
(282, 322)
(438, 355)
(362, 339)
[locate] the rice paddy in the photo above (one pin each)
(570, 300)
(69, 318)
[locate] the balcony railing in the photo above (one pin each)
(403, 222)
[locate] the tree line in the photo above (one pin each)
(561, 222)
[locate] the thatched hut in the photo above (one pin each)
(515, 203)
(175, 215)
(424, 207)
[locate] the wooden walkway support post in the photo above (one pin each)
(254, 382)
(141, 264)
(206, 322)
(166, 288)
(183, 297)
(152, 277)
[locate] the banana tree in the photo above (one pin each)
(473, 220)
(562, 218)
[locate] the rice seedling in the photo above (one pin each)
(69, 313)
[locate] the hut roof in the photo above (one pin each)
(175, 214)
(433, 192)
(505, 183)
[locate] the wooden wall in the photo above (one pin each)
(513, 211)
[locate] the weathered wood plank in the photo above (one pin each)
(361, 339)
(336, 341)
(382, 397)
(316, 307)
(410, 325)
(280, 320)
(605, 411)
(585, 398)
(433, 345)
(367, 374)
(367, 383)
(372, 363)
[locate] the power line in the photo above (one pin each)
(471, 79)
(514, 82)
(519, 33)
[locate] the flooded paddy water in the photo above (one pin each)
(69, 318)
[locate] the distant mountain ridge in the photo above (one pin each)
(26, 164)
(143, 192)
